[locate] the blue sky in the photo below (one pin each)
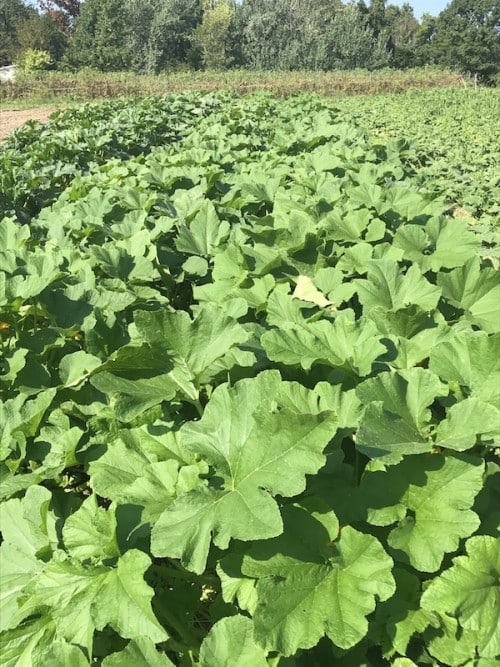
(420, 7)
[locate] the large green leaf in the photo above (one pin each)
(204, 233)
(17, 569)
(81, 599)
(257, 450)
(90, 532)
(443, 243)
(472, 360)
(20, 418)
(138, 653)
(311, 582)
(173, 343)
(59, 653)
(230, 643)
(56, 445)
(401, 617)
(283, 311)
(25, 540)
(388, 288)
(396, 418)
(476, 290)
(21, 646)
(193, 345)
(129, 398)
(412, 334)
(74, 368)
(468, 591)
(23, 522)
(453, 646)
(343, 342)
(465, 422)
(146, 471)
(423, 534)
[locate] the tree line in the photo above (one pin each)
(149, 36)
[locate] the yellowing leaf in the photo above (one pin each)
(307, 291)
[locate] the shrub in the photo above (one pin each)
(35, 60)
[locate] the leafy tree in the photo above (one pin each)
(281, 34)
(423, 40)
(271, 34)
(141, 16)
(316, 21)
(352, 43)
(102, 37)
(64, 12)
(395, 26)
(377, 17)
(163, 33)
(287, 34)
(402, 30)
(42, 33)
(12, 14)
(212, 33)
(467, 37)
(235, 50)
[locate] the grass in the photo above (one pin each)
(22, 103)
(49, 88)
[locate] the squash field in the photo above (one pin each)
(250, 386)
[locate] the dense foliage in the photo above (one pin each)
(250, 378)
(453, 138)
(319, 35)
(12, 14)
(467, 36)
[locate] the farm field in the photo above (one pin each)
(455, 135)
(250, 380)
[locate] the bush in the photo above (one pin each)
(35, 60)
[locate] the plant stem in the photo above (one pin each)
(274, 662)
(357, 466)
(198, 406)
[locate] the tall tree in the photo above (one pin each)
(286, 34)
(467, 37)
(13, 13)
(377, 19)
(213, 32)
(102, 37)
(401, 32)
(64, 12)
(141, 16)
(42, 33)
(423, 40)
(322, 34)
(165, 38)
(270, 34)
(351, 43)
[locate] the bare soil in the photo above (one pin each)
(11, 119)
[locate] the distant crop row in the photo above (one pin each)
(92, 85)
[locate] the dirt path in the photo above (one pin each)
(12, 118)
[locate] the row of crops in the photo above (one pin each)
(454, 135)
(250, 381)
